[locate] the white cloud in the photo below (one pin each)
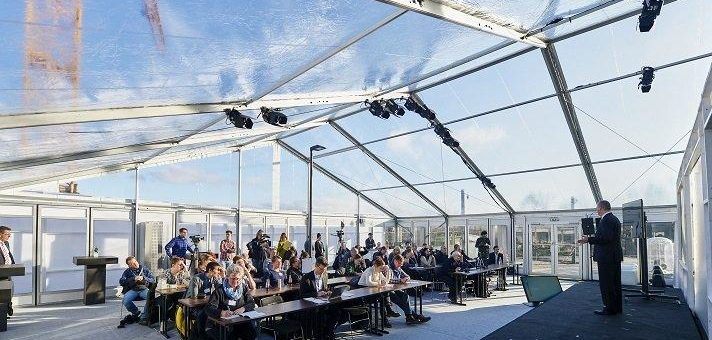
(477, 137)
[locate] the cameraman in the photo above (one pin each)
(256, 250)
(179, 246)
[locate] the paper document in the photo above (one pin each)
(347, 294)
(253, 314)
(315, 300)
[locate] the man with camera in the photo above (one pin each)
(135, 281)
(256, 250)
(179, 246)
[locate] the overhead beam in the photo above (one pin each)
(328, 54)
(383, 165)
(333, 177)
(551, 59)
(519, 172)
(455, 16)
(43, 118)
(183, 138)
(472, 166)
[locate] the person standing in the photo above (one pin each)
(318, 247)
(6, 257)
(283, 245)
(179, 246)
(228, 249)
(482, 244)
(308, 246)
(370, 243)
(608, 254)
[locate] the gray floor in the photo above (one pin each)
(76, 321)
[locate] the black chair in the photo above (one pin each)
(280, 326)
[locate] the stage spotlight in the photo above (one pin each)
(393, 108)
(239, 120)
(444, 133)
(423, 111)
(651, 9)
(273, 116)
(376, 108)
(646, 79)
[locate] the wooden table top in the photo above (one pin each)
(171, 291)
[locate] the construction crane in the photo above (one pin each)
(151, 12)
(53, 45)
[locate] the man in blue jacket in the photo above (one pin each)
(135, 281)
(179, 246)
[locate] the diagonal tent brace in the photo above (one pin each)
(471, 165)
(383, 165)
(557, 77)
(333, 177)
(447, 13)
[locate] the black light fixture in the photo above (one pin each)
(393, 108)
(376, 108)
(273, 116)
(238, 119)
(447, 138)
(651, 9)
(646, 79)
(422, 110)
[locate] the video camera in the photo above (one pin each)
(264, 241)
(196, 238)
(340, 233)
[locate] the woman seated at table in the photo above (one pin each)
(241, 262)
(246, 264)
(232, 297)
(427, 259)
(275, 274)
(294, 273)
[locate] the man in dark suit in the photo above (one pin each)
(314, 284)
(6, 256)
(319, 247)
(608, 254)
(495, 256)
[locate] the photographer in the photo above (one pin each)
(256, 250)
(179, 246)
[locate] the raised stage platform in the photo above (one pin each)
(569, 315)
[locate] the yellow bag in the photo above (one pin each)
(180, 322)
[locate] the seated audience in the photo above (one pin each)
(441, 255)
(427, 259)
(396, 251)
(274, 275)
(232, 297)
(135, 281)
(203, 284)
(495, 256)
(453, 264)
(456, 248)
(400, 297)
(382, 253)
(315, 284)
(242, 262)
(177, 274)
(356, 265)
(294, 273)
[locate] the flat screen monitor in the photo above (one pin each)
(633, 217)
(541, 288)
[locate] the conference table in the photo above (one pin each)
(377, 295)
(258, 293)
(478, 275)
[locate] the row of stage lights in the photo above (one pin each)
(270, 116)
(385, 108)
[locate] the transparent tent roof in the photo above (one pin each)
(91, 88)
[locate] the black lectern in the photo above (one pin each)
(6, 290)
(94, 277)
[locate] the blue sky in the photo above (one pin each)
(225, 51)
